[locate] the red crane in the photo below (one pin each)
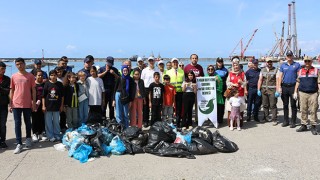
(243, 50)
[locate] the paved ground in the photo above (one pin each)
(266, 152)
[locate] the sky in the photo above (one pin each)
(173, 28)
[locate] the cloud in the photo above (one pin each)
(71, 47)
(240, 9)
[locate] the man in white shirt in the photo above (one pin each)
(147, 77)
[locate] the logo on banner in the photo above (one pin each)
(209, 107)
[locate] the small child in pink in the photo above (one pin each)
(235, 115)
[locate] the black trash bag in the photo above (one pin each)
(96, 143)
(223, 144)
(131, 132)
(95, 115)
(202, 133)
(141, 140)
(106, 136)
(94, 154)
(160, 131)
(136, 145)
(114, 127)
(172, 150)
(201, 147)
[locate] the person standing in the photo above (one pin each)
(308, 84)
(176, 78)
(219, 93)
(83, 97)
(287, 78)
(23, 100)
(37, 66)
(168, 65)
(267, 88)
(147, 77)
(156, 91)
(65, 66)
(169, 99)
(189, 88)
(140, 67)
(162, 71)
(4, 101)
(223, 73)
(252, 76)
(108, 74)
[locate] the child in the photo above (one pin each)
(189, 88)
(38, 116)
(71, 102)
(96, 96)
(52, 103)
(169, 98)
(60, 78)
(156, 90)
(235, 103)
(83, 97)
(139, 100)
(123, 96)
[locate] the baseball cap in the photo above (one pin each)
(255, 61)
(160, 62)
(2, 64)
(289, 53)
(307, 58)
(110, 60)
(86, 60)
(174, 59)
(219, 59)
(139, 59)
(37, 61)
(150, 58)
(268, 59)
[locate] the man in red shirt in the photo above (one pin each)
(194, 66)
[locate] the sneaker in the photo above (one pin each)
(238, 128)
(314, 130)
(52, 140)
(275, 123)
(43, 137)
(302, 128)
(57, 138)
(35, 138)
(18, 149)
(28, 142)
(3, 145)
(231, 128)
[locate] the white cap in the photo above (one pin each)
(139, 59)
(150, 58)
(174, 59)
(160, 62)
(181, 63)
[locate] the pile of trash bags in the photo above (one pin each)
(162, 139)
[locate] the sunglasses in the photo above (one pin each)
(210, 69)
(269, 62)
(307, 61)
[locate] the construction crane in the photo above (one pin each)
(243, 50)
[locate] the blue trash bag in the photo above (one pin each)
(75, 143)
(68, 137)
(82, 153)
(106, 137)
(86, 130)
(184, 139)
(106, 149)
(117, 146)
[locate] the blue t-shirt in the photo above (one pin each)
(252, 76)
(289, 72)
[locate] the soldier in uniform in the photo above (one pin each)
(308, 84)
(267, 86)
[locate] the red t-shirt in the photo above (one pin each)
(22, 85)
(169, 93)
(198, 70)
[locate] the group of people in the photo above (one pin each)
(63, 99)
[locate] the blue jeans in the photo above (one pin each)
(122, 111)
(83, 111)
(17, 112)
(3, 122)
(52, 124)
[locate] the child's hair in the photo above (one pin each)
(234, 92)
(66, 80)
(166, 77)
(156, 74)
(38, 70)
(81, 73)
(93, 68)
(136, 70)
(194, 77)
(19, 60)
(52, 72)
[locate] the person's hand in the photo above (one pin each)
(113, 103)
(235, 85)
(295, 96)
(34, 107)
(246, 92)
(150, 105)
(10, 109)
(280, 90)
(44, 109)
(259, 93)
(240, 81)
(111, 71)
(276, 94)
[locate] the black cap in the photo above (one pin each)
(2, 64)
(219, 59)
(289, 53)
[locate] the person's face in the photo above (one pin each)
(236, 67)
(219, 64)
(125, 71)
(20, 66)
(59, 73)
(175, 64)
(136, 75)
(53, 77)
(156, 78)
(39, 77)
(62, 64)
(93, 73)
(289, 58)
(190, 76)
(194, 60)
(37, 66)
(88, 64)
(166, 81)
(254, 66)
(2, 71)
(169, 65)
(308, 63)
(128, 63)
(151, 62)
(269, 64)
(82, 78)
(73, 79)
(181, 66)
(161, 66)
(210, 70)
(250, 64)
(140, 63)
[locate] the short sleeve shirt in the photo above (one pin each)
(96, 88)
(22, 85)
(289, 72)
(198, 70)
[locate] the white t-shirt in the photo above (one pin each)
(147, 76)
(96, 89)
(236, 102)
